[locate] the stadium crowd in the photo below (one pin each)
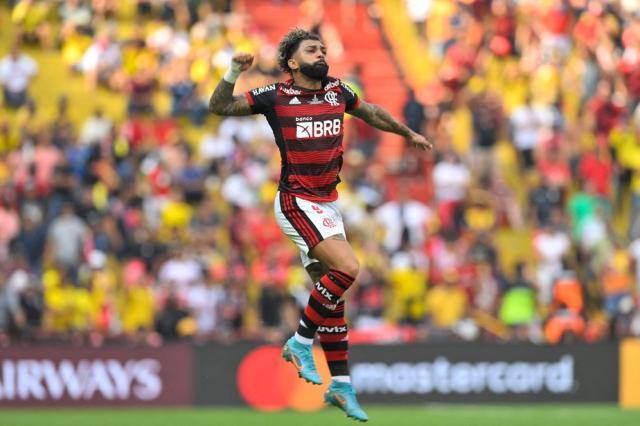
(128, 230)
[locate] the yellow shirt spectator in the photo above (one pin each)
(446, 304)
(408, 286)
(176, 214)
(137, 308)
(74, 47)
(82, 310)
(628, 149)
(545, 84)
(30, 14)
(69, 308)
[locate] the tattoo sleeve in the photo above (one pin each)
(380, 118)
(222, 101)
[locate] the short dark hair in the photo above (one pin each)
(289, 44)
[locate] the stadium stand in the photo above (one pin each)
(127, 213)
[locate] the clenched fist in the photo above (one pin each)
(242, 61)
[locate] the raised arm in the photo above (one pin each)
(378, 117)
(222, 101)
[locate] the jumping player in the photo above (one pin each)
(306, 115)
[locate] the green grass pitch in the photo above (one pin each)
(436, 415)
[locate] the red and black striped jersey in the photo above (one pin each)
(308, 129)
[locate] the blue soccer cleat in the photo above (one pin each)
(301, 357)
(343, 396)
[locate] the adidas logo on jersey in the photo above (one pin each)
(295, 101)
(315, 100)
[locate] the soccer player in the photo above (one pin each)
(306, 114)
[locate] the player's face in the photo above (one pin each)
(310, 59)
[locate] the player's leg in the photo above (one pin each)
(293, 223)
(318, 231)
(333, 332)
(334, 339)
(337, 255)
(314, 228)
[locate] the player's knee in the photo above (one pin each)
(350, 267)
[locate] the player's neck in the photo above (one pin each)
(305, 82)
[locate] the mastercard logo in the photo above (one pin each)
(267, 382)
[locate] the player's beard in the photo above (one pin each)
(317, 71)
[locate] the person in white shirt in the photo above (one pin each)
(16, 71)
(551, 244)
(527, 122)
(403, 218)
(180, 273)
(451, 179)
(96, 128)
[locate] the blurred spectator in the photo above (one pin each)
(33, 307)
(32, 238)
(179, 273)
(607, 110)
(617, 283)
(76, 14)
(554, 168)
(627, 146)
(418, 12)
(451, 179)
(413, 113)
(518, 307)
(170, 318)
(487, 116)
(205, 302)
(408, 283)
(567, 291)
(96, 128)
(141, 88)
(100, 61)
(634, 251)
(551, 245)
(31, 18)
(527, 122)
(11, 316)
(564, 326)
(66, 239)
(446, 304)
(9, 229)
(16, 71)
(544, 200)
(597, 168)
(138, 297)
(403, 220)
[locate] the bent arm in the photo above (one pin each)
(380, 118)
(222, 101)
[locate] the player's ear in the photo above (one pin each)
(293, 64)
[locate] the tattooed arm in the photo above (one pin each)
(380, 118)
(222, 101)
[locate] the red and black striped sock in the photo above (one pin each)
(334, 340)
(322, 301)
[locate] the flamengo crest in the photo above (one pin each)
(332, 98)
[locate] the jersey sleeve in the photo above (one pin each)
(350, 97)
(262, 99)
